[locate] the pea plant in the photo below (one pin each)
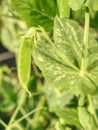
(67, 54)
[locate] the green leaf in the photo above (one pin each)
(60, 61)
(6, 106)
(10, 27)
(24, 59)
(35, 12)
(89, 3)
(76, 4)
(59, 126)
(63, 7)
(56, 98)
(84, 118)
(95, 5)
(92, 4)
(69, 115)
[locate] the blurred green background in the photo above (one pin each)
(17, 110)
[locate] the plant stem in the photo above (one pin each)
(23, 96)
(86, 30)
(24, 113)
(28, 114)
(3, 123)
(92, 110)
(37, 115)
(23, 117)
(85, 41)
(18, 126)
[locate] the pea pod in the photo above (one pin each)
(24, 62)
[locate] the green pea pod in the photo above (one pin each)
(24, 62)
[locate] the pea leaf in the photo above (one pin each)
(92, 4)
(56, 98)
(70, 116)
(95, 5)
(84, 118)
(89, 3)
(24, 59)
(76, 4)
(35, 12)
(63, 7)
(60, 61)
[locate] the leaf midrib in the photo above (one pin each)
(59, 62)
(32, 9)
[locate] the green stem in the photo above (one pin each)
(92, 109)
(3, 123)
(37, 115)
(27, 115)
(23, 96)
(24, 113)
(23, 117)
(86, 31)
(85, 41)
(18, 126)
